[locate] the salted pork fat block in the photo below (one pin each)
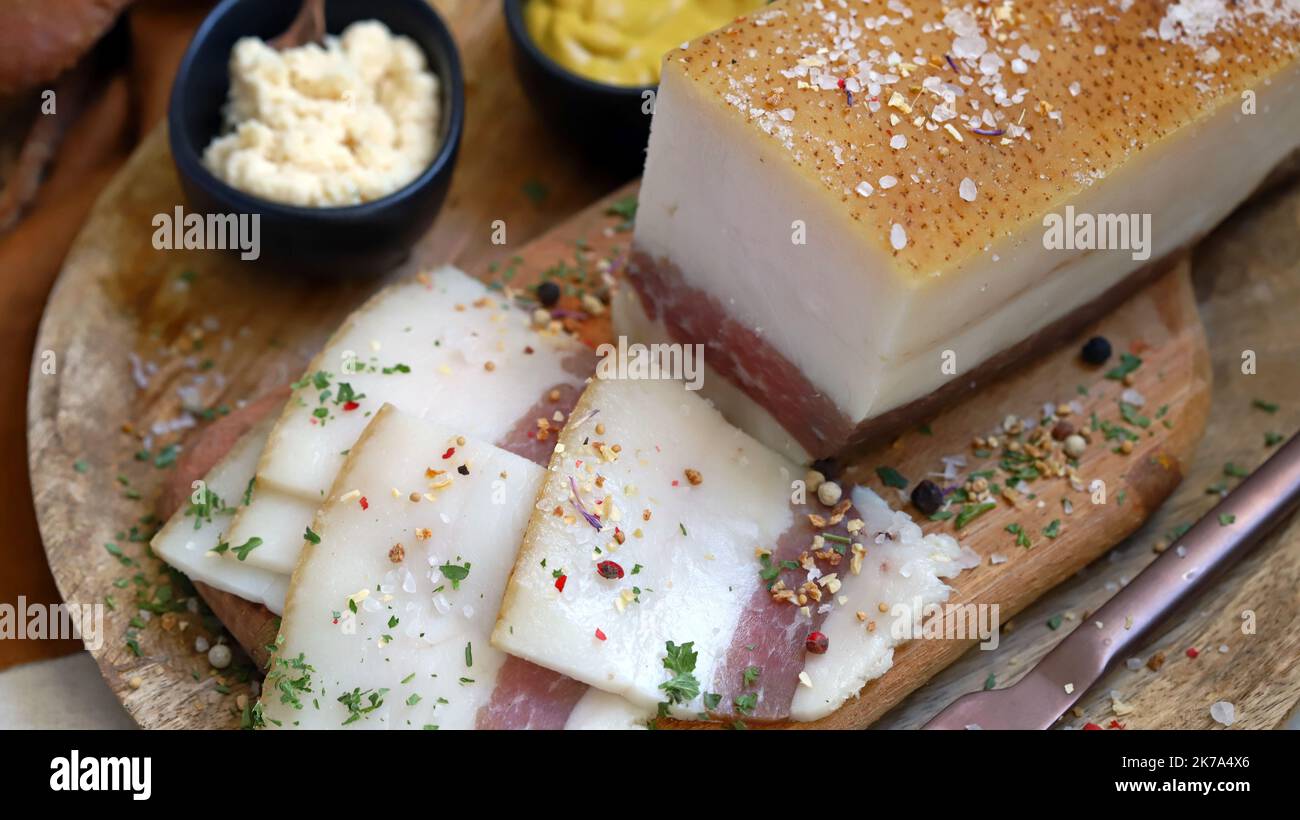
(853, 205)
(439, 346)
(195, 540)
(670, 560)
(396, 592)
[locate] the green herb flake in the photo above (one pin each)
(455, 573)
(536, 191)
(969, 512)
(1234, 471)
(892, 477)
(682, 687)
(242, 551)
(1127, 364)
(166, 456)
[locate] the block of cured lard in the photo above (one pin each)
(439, 346)
(863, 209)
(676, 562)
(397, 588)
(195, 541)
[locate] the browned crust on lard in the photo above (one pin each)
(1094, 85)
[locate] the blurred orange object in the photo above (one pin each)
(97, 129)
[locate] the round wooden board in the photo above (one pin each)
(199, 330)
(122, 309)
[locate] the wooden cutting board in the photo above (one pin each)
(135, 333)
(141, 335)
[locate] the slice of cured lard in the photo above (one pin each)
(439, 346)
(670, 561)
(195, 541)
(900, 575)
(390, 608)
(911, 194)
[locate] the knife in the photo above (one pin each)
(1225, 534)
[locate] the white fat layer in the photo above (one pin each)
(696, 554)
(601, 710)
(189, 548)
(886, 329)
(431, 326)
(478, 519)
(900, 570)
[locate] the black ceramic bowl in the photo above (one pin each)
(355, 240)
(611, 123)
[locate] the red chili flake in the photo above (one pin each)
(674, 482)
(1193, 652)
(817, 643)
(365, 505)
(600, 635)
(451, 451)
(609, 569)
(1115, 724)
(1092, 727)
(351, 406)
(559, 582)
(840, 83)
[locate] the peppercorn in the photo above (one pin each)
(1075, 445)
(609, 569)
(1062, 430)
(829, 468)
(817, 643)
(548, 293)
(1096, 350)
(829, 493)
(927, 497)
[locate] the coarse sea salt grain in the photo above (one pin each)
(967, 189)
(898, 237)
(1223, 712)
(898, 142)
(1133, 664)
(887, 182)
(864, 189)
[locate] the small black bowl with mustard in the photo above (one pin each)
(592, 69)
(343, 146)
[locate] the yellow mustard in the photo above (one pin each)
(621, 42)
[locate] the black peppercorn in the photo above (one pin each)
(548, 293)
(1096, 350)
(828, 467)
(927, 497)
